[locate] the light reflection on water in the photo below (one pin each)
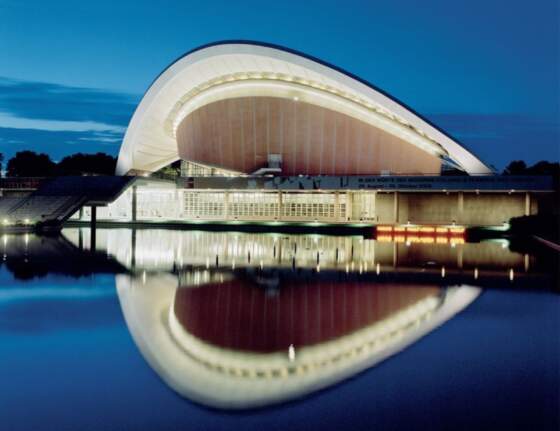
(246, 339)
(234, 320)
(169, 250)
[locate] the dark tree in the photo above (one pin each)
(517, 167)
(31, 164)
(544, 168)
(87, 164)
(1, 160)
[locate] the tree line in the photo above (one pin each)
(519, 167)
(32, 164)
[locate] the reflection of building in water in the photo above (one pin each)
(171, 249)
(29, 255)
(269, 315)
(234, 343)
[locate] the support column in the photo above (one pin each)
(93, 228)
(374, 207)
(527, 204)
(280, 203)
(336, 206)
(226, 205)
(80, 239)
(177, 202)
(133, 249)
(349, 205)
(460, 207)
(396, 207)
(460, 256)
(134, 204)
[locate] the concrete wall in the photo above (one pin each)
(467, 208)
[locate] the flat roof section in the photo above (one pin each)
(491, 183)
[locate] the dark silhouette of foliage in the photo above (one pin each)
(517, 167)
(543, 167)
(31, 164)
(87, 164)
(545, 225)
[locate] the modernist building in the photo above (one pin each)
(268, 134)
(240, 107)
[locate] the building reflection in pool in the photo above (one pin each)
(486, 264)
(235, 320)
(244, 338)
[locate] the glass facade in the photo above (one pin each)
(251, 205)
(160, 201)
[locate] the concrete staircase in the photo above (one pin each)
(57, 199)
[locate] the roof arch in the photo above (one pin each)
(236, 69)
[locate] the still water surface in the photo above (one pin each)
(163, 329)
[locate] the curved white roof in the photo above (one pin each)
(239, 69)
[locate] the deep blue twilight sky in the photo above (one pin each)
(486, 71)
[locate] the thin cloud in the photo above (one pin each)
(98, 138)
(60, 120)
(9, 121)
(54, 102)
(57, 144)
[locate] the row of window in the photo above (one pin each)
(265, 205)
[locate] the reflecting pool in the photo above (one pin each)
(166, 329)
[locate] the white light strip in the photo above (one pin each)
(247, 85)
(372, 339)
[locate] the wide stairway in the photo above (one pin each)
(57, 199)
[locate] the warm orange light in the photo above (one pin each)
(427, 229)
(384, 238)
(422, 234)
(384, 228)
(457, 230)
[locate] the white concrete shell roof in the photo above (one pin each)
(242, 69)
